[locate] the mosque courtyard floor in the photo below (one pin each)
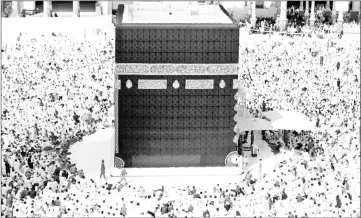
(88, 154)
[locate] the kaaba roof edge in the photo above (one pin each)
(121, 25)
(176, 25)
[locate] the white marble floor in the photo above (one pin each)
(88, 154)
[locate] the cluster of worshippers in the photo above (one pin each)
(56, 90)
(296, 24)
(269, 25)
(46, 92)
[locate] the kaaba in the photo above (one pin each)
(174, 86)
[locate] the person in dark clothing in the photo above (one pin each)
(24, 194)
(16, 190)
(346, 185)
(338, 84)
(7, 167)
(284, 195)
(295, 171)
(65, 174)
(349, 196)
(102, 170)
(109, 187)
(57, 171)
(56, 179)
(45, 183)
(30, 163)
(242, 191)
(164, 209)
(303, 180)
(227, 206)
(270, 202)
(193, 191)
(338, 202)
(32, 194)
(312, 153)
(299, 198)
(252, 137)
(240, 146)
(248, 176)
(22, 152)
(318, 122)
(338, 65)
(76, 118)
(263, 110)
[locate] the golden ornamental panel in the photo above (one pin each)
(175, 69)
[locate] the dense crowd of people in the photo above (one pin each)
(56, 90)
(297, 25)
(53, 96)
(319, 78)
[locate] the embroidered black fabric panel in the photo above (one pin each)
(177, 44)
(176, 122)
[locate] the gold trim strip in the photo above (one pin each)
(176, 69)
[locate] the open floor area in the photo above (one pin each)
(87, 155)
